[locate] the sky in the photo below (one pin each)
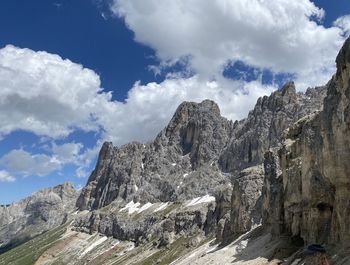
(74, 74)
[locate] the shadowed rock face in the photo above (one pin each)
(181, 163)
(37, 213)
(187, 158)
(245, 203)
(315, 166)
(265, 125)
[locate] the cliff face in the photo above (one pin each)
(265, 124)
(37, 213)
(181, 163)
(187, 158)
(190, 159)
(314, 204)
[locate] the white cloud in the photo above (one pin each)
(149, 107)
(279, 35)
(343, 23)
(46, 95)
(24, 163)
(6, 177)
(51, 97)
(21, 162)
(67, 153)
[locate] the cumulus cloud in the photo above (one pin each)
(21, 162)
(6, 177)
(149, 107)
(24, 163)
(45, 94)
(343, 23)
(67, 153)
(280, 35)
(51, 97)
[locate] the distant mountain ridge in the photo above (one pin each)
(40, 212)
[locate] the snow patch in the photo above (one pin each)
(173, 164)
(131, 207)
(198, 200)
(211, 249)
(134, 207)
(161, 207)
(145, 207)
(93, 245)
(185, 175)
(135, 187)
(142, 166)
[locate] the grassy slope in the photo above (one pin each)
(29, 252)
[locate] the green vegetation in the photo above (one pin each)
(29, 252)
(167, 255)
(171, 208)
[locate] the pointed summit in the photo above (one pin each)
(288, 89)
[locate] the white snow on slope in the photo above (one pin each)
(93, 245)
(162, 206)
(131, 207)
(145, 207)
(205, 199)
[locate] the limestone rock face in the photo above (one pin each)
(181, 163)
(187, 158)
(245, 202)
(272, 192)
(315, 166)
(190, 158)
(37, 213)
(265, 124)
(162, 226)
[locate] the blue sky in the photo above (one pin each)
(116, 70)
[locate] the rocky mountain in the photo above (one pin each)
(211, 191)
(265, 124)
(180, 164)
(201, 176)
(190, 157)
(36, 214)
(310, 173)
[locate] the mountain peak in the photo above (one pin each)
(343, 57)
(288, 89)
(206, 105)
